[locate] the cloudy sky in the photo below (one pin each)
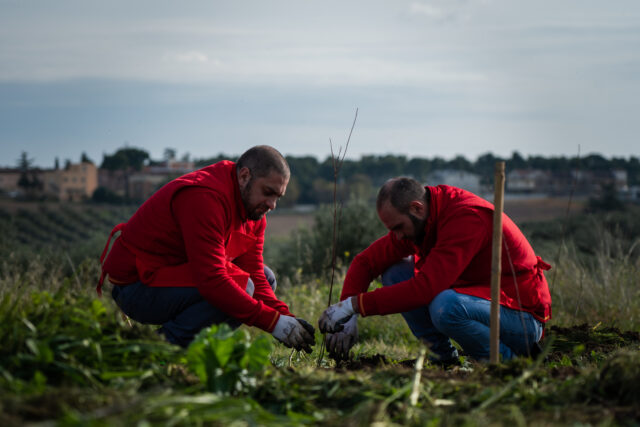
(430, 78)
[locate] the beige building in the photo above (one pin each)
(140, 185)
(77, 182)
(9, 181)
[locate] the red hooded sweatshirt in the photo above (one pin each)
(194, 231)
(456, 254)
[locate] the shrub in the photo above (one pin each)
(307, 253)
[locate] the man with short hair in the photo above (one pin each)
(191, 256)
(435, 264)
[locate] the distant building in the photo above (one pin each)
(171, 167)
(140, 185)
(76, 182)
(528, 181)
(456, 178)
(9, 181)
(632, 194)
(143, 184)
(593, 182)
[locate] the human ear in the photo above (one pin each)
(244, 176)
(418, 209)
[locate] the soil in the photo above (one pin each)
(566, 340)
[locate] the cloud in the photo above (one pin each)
(192, 56)
(418, 8)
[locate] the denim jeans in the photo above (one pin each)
(181, 311)
(465, 319)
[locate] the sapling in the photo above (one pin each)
(337, 161)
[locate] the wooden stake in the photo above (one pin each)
(496, 261)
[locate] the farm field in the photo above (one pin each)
(282, 222)
(69, 357)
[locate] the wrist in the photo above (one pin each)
(354, 304)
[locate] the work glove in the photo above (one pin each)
(340, 343)
(334, 317)
(296, 333)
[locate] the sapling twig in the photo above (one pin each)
(564, 223)
(293, 350)
(337, 161)
(337, 165)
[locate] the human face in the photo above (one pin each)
(260, 195)
(410, 226)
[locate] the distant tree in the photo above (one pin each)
(291, 195)
(517, 161)
(633, 171)
(85, 159)
(104, 195)
(186, 157)
(169, 154)
(360, 188)
(485, 166)
(323, 190)
(595, 162)
(56, 164)
(305, 170)
(200, 163)
(418, 168)
(607, 201)
(24, 162)
(460, 163)
(28, 180)
(67, 164)
(128, 160)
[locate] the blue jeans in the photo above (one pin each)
(181, 311)
(465, 319)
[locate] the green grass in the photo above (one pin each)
(69, 358)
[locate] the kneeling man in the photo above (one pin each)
(435, 264)
(191, 256)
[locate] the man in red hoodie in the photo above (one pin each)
(191, 256)
(435, 264)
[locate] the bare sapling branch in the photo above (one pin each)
(565, 223)
(337, 161)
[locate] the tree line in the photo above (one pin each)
(312, 179)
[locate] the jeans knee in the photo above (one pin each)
(271, 278)
(250, 289)
(398, 272)
(446, 310)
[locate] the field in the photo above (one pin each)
(70, 358)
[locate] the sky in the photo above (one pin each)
(428, 78)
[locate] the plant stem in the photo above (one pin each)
(337, 165)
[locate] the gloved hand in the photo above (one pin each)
(296, 333)
(335, 316)
(340, 343)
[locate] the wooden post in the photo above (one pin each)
(496, 260)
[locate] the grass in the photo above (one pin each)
(69, 358)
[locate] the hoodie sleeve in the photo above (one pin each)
(203, 219)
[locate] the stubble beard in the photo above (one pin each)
(252, 211)
(419, 229)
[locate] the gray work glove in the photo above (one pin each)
(339, 343)
(334, 317)
(296, 333)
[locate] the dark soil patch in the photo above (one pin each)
(564, 372)
(363, 362)
(587, 339)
